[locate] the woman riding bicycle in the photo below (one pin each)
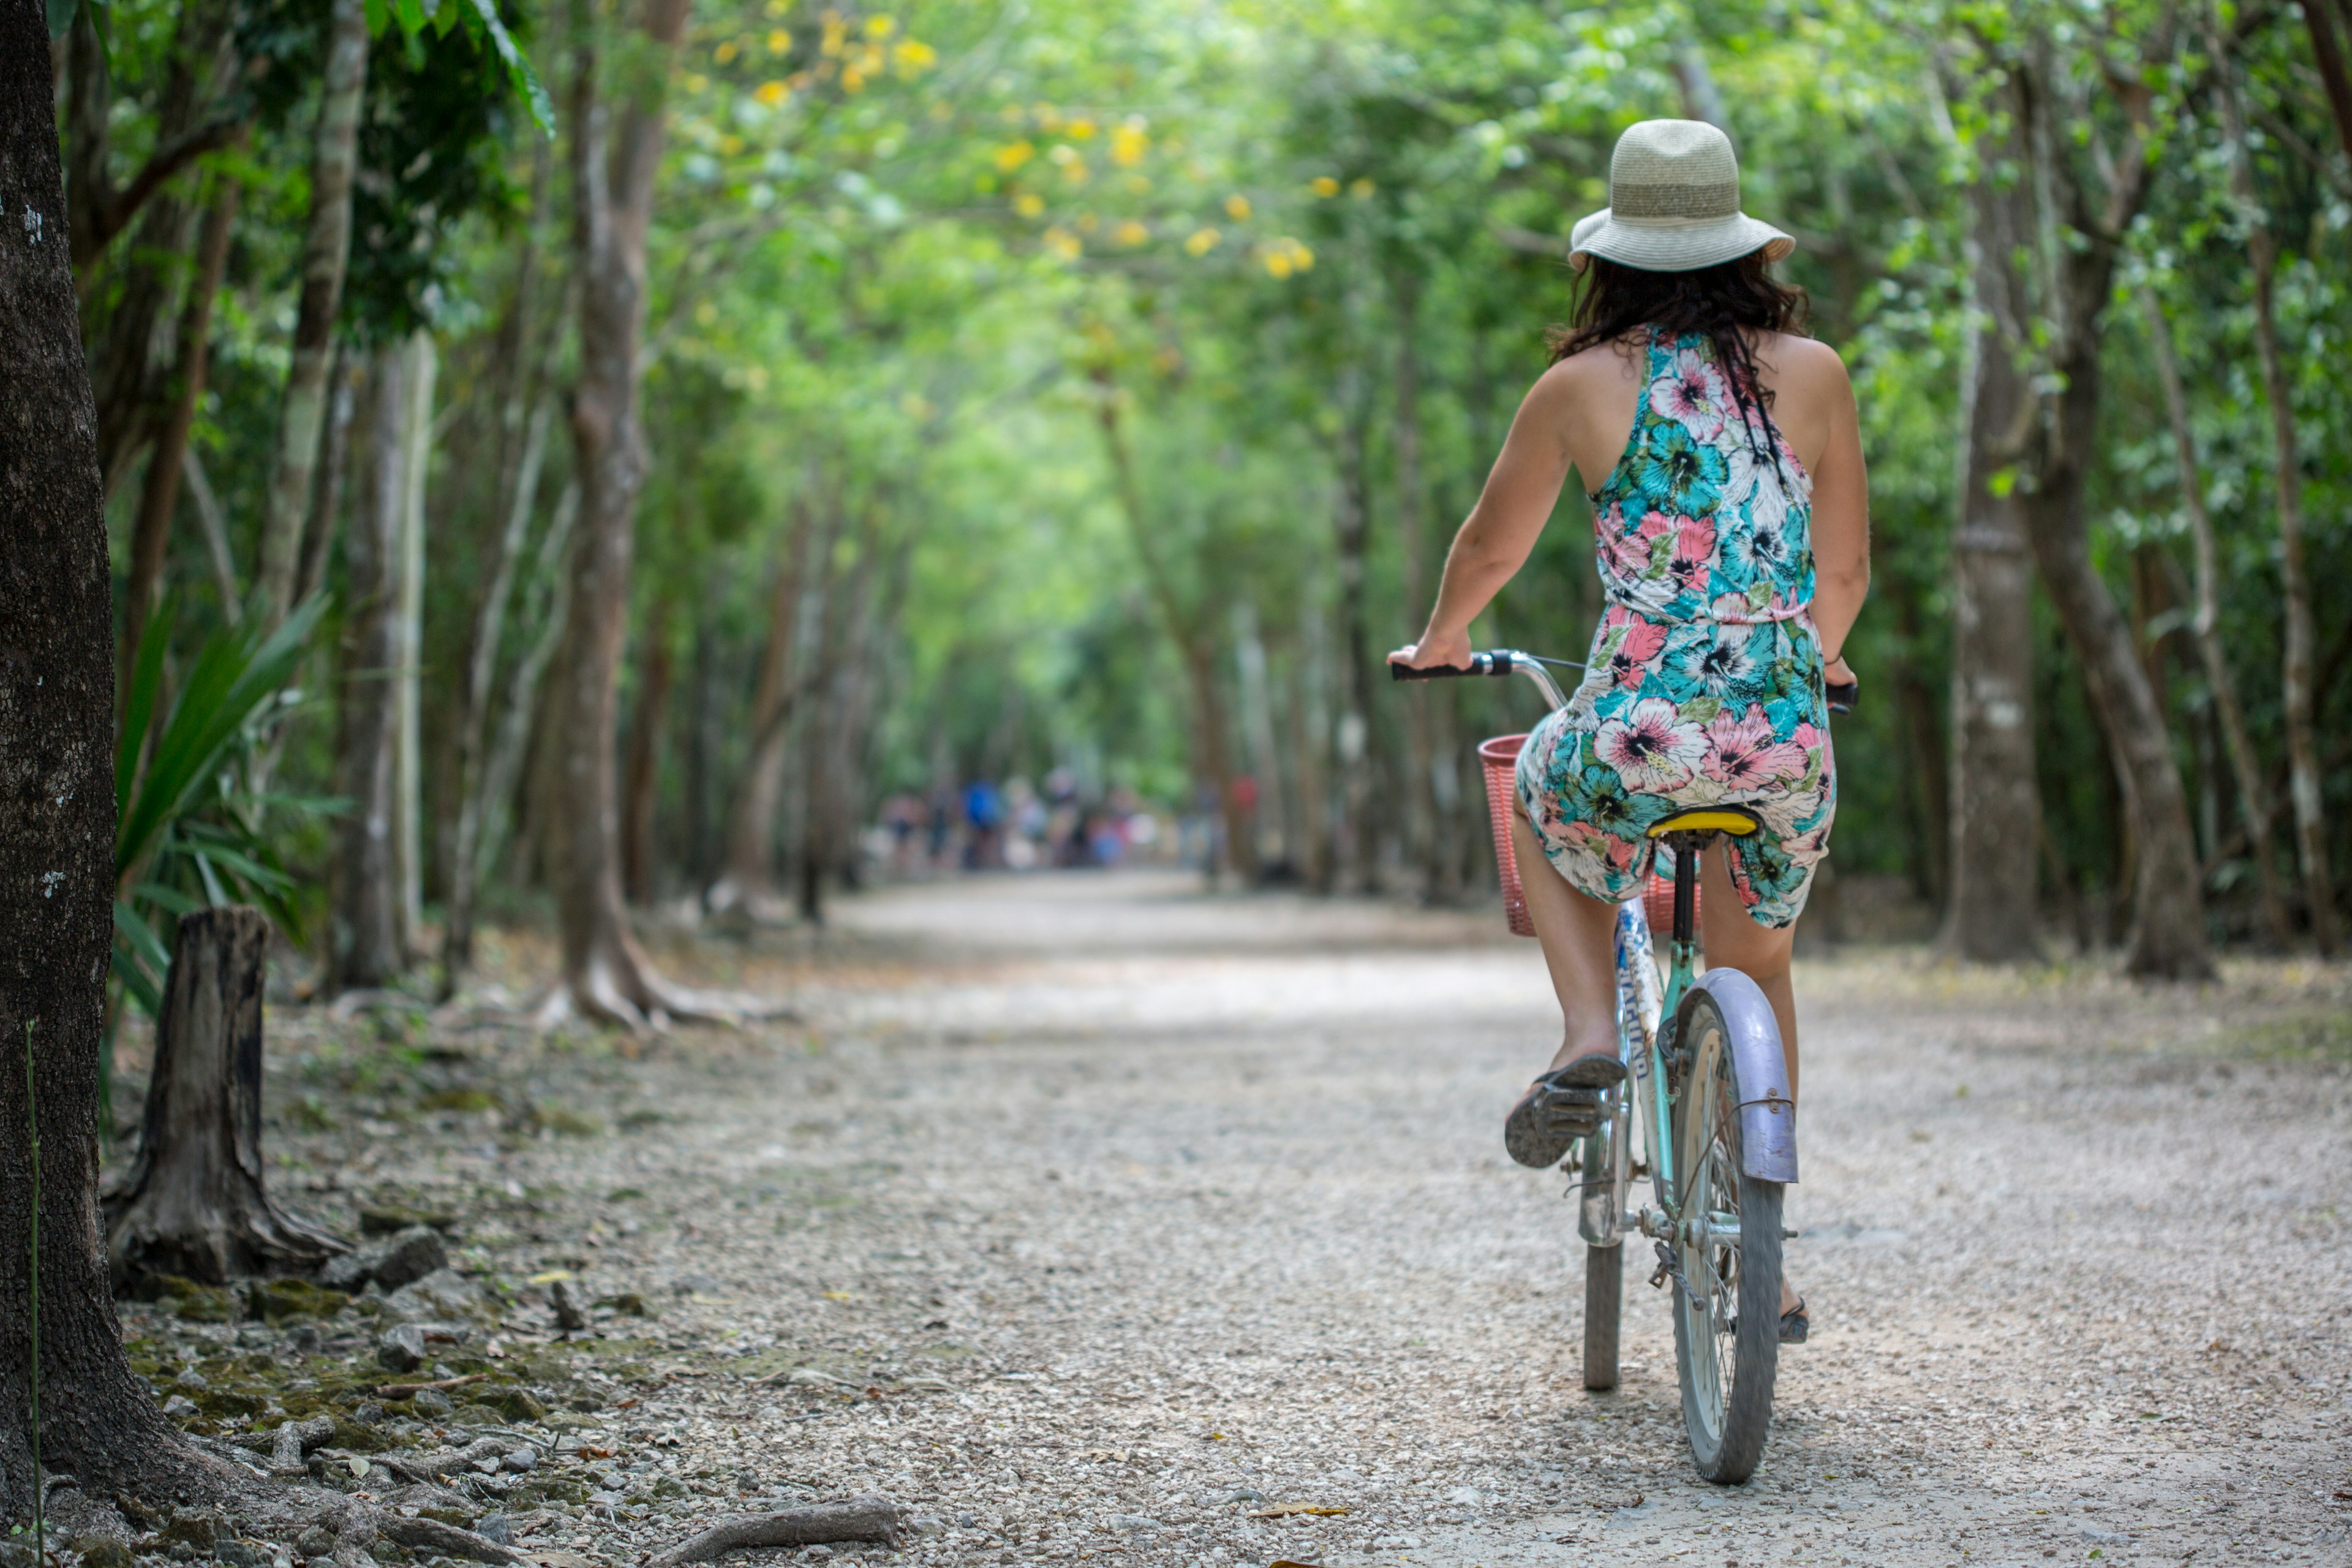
(1732, 511)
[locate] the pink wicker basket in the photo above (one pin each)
(1498, 760)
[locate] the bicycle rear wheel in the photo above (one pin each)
(1727, 1249)
(1605, 1303)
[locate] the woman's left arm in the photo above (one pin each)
(1840, 527)
(1495, 540)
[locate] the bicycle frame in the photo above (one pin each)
(1648, 1022)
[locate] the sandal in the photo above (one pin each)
(1794, 1324)
(1558, 1108)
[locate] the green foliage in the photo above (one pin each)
(189, 831)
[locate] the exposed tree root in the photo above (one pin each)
(867, 1517)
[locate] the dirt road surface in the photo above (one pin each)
(1093, 1218)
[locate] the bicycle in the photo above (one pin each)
(1706, 1087)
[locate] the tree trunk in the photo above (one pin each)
(2245, 766)
(1995, 805)
(616, 159)
(1356, 837)
(99, 1422)
(1213, 760)
(407, 672)
(473, 720)
(159, 498)
(750, 874)
(551, 604)
(195, 1203)
(2328, 50)
(325, 248)
(2295, 702)
(644, 782)
(366, 951)
(2168, 936)
(334, 464)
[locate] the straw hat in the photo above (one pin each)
(1673, 203)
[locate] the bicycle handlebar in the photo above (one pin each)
(1505, 661)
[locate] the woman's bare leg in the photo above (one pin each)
(1577, 933)
(1761, 953)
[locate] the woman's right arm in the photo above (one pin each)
(1493, 541)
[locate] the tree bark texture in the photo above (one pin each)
(2295, 699)
(188, 125)
(365, 930)
(1995, 805)
(2327, 49)
(99, 1422)
(617, 158)
(195, 1203)
(326, 250)
(2245, 766)
(159, 497)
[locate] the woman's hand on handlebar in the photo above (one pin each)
(1433, 651)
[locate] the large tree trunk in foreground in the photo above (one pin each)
(100, 1424)
(616, 160)
(1995, 805)
(365, 930)
(196, 1204)
(2295, 700)
(326, 250)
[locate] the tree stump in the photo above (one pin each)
(195, 1203)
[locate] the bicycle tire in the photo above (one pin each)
(1726, 1414)
(1604, 1306)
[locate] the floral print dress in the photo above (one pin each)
(1704, 685)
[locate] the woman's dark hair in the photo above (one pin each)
(1726, 302)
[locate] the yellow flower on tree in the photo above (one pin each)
(1081, 129)
(773, 93)
(1012, 154)
(726, 52)
(1029, 204)
(1064, 244)
(779, 40)
(1324, 186)
(1237, 207)
(1131, 233)
(1129, 143)
(913, 57)
(835, 30)
(1362, 189)
(880, 26)
(1201, 241)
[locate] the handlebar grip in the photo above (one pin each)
(1498, 663)
(1842, 695)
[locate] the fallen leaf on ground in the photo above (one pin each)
(588, 1452)
(1282, 1510)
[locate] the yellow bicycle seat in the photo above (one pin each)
(1705, 819)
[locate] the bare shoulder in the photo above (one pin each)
(1804, 367)
(1603, 368)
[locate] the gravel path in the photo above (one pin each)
(1123, 1214)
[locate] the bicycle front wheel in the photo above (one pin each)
(1726, 1251)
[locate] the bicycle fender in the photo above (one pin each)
(1767, 1115)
